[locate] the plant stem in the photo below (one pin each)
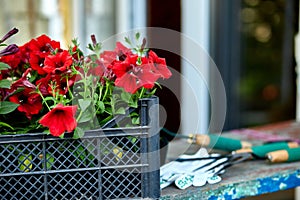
(142, 92)
(106, 90)
(44, 101)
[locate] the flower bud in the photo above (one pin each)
(9, 34)
(94, 41)
(10, 49)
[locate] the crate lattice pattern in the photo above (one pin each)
(106, 167)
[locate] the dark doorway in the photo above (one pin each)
(253, 47)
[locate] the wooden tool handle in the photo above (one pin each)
(262, 150)
(221, 143)
(286, 155)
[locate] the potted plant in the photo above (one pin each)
(60, 119)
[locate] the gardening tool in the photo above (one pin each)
(198, 169)
(212, 141)
(262, 150)
(237, 146)
(284, 155)
(179, 170)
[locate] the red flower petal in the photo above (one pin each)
(42, 45)
(59, 82)
(159, 65)
(122, 50)
(60, 119)
(139, 76)
(30, 102)
(121, 67)
(37, 63)
(58, 62)
(129, 82)
(108, 57)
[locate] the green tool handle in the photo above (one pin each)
(262, 150)
(286, 155)
(213, 141)
(221, 143)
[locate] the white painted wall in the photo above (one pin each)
(195, 25)
(130, 14)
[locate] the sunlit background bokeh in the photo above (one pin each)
(252, 43)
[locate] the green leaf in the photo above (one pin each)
(4, 66)
(108, 110)
(127, 40)
(103, 121)
(6, 125)
(126, 96)
(96, 96)
(132, 139)
(7, 107)
(152, 92)
(5, 83)
(90, 47)
(139, 60)
(133, 103)
(84, 104)
(50, 98)
(49, 161)
(137, 36)
(78, 133)
(25, 162)
(86, 116)
(135, 120)
(120, 111)
(33, 76)
(80, 153)
(101, 106)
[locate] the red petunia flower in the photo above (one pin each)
(59, 83)
(76, 54)
(13, 61)
(60, 119)
(131, 76)
(30, 102)
(43, 74)
(122, 51)
(159, 65)
(122, 67)
(108, 57)
(43, 85)
(39, 49)
(16, 61)
(95, 67)
(37, 63)
(43, 45)
(59, 62)
(22, 82)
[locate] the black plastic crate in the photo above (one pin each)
(110, 163)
